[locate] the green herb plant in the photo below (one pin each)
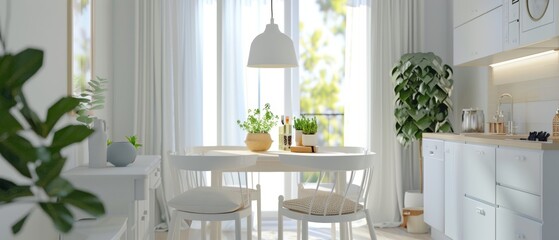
(134, 141)
(34, 146)
(259, 121)
(310, 126)
(299, 122)
(91, 99)
(131, 139)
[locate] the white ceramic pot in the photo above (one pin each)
(310, 139)
(121, 154)
(258, 142)
(299, 137)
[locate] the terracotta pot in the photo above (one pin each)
(310, 140)
(258, 142)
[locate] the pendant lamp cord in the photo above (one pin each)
(272, 10)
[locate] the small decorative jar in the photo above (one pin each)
(120, 154)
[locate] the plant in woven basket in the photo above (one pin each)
(258, 124)
(422, 85)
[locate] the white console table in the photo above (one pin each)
(125, 191)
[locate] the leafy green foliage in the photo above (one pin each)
(33, 146)
(91, 99)
(310, 125)
(259, 121)
(422, 85)
(298, 122)
(134, 141)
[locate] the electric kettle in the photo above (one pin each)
(472, 120)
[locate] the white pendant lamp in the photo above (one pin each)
(272, 48)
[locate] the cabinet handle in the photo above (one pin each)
(480, 211)
(431, 153)
(143, 218)
(145, 212)
(520, 158)
(520, 236)
(481, 153)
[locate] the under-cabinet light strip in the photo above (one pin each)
(523, 58)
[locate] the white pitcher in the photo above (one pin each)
(97, 144)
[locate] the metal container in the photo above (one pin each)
(472, 120)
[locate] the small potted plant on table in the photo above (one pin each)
(258, 125)
(298, 125)
(310, 127)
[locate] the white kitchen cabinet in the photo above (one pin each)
(434, 183)
(453, 190)
(544, 28)
(520, 169)
(480, 37)
(125, 191)
(513, 226)
(466, 10)
(479, 220)
(479, 172)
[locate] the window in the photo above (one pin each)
(313, 89)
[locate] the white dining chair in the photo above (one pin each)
(202, 202)
(342, 201)
(228, 180)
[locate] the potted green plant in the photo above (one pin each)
(258, 125)
(121, 154)
(310, 127)
(422, 85)
(298, 125)
(34, 147)
(90, 100)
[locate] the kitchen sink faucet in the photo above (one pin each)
(510, 123)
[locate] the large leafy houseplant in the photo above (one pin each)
(33, 147)
(422, 85)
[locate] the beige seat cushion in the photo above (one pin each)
(320, 203)
(209, 200)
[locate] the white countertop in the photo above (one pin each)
(494, 139)
(138, 169)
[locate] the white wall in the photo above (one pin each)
(103, 54)
(471, 84)
(39, 24)
(123, 58)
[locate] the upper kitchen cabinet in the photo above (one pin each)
(467, 10)
(503, 30)
(537, 21)
(479, 38)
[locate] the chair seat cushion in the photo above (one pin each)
(210, 200)
(332, 204)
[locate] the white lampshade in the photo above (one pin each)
(272, 49)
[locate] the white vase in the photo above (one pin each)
(121, 154)
(310, 140)
(97, 145)
(299, 137)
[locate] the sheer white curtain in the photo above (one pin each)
(395, 31)
(168, 103)
(233, 103)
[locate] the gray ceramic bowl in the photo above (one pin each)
(121, 154)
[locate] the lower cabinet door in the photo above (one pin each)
(512, 226)
(479, 220)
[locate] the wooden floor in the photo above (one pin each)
(321, 232)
